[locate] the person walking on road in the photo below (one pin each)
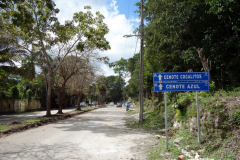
(127, 105)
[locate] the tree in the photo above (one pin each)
(48, 38)
(70, 67)
(102, 87)
(81, 82)
(197, 35)
(114, 86)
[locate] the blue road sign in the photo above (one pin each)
(181, 86)
(181, 76)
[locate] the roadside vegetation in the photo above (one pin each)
(219, 119)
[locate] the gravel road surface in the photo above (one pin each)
(96, 135)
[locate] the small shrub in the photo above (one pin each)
(235, 118)
(13, 93)
(212, 86)
(175, 105)
(184, 102)
(236, 89)
(204, 94)
(192, 111)
(29, 93)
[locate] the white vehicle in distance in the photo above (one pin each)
(83, 104)
(111, 104)
(119, 104)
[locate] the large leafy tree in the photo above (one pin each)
(197, 35)
(114, 86)
(201, 35)
(41, 31)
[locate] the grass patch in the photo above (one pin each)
(151, 121)
(30, 121)
(159, 151)
(7, 126)
(135, 111)
(4, 127)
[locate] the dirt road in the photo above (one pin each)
(96, 135)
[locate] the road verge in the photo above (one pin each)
(19, 126)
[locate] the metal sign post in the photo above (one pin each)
(199, 142)
(166, 132)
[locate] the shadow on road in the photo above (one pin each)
(109, 121)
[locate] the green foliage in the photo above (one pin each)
(192, 111)
(159, 151)
(177, 30)
(212, 86)
(114, 86)
(204, 94)
(13, 92)
(184, 99)
(170, 96)
(120, 67)
(236, 89)
(29, 93)
(214, 109)
(175, 105)
(36, 21)
(235, 118)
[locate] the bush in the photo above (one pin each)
(13, 92)
(29, 93)
(235, 118)
(2, 94)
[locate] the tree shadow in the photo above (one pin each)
(108, 121)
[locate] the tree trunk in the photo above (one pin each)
(49, 91)
(204, 62)
(153, 100)
(60, 102)
(79, 100)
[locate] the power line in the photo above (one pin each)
(135, 47)
(127, 24)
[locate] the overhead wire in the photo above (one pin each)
(127, 24)
(137, 37)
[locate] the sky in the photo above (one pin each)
(120, 19)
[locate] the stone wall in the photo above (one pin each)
(18, 105)
(6, 106)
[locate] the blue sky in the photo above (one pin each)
(120, 18)
(127, 6)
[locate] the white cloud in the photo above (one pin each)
(117, 23)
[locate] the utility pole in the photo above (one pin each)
(141, 69)
(141, 66)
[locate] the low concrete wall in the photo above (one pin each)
(18, 105)
(6, 106)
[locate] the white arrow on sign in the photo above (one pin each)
(160, 77)
(160, 86)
